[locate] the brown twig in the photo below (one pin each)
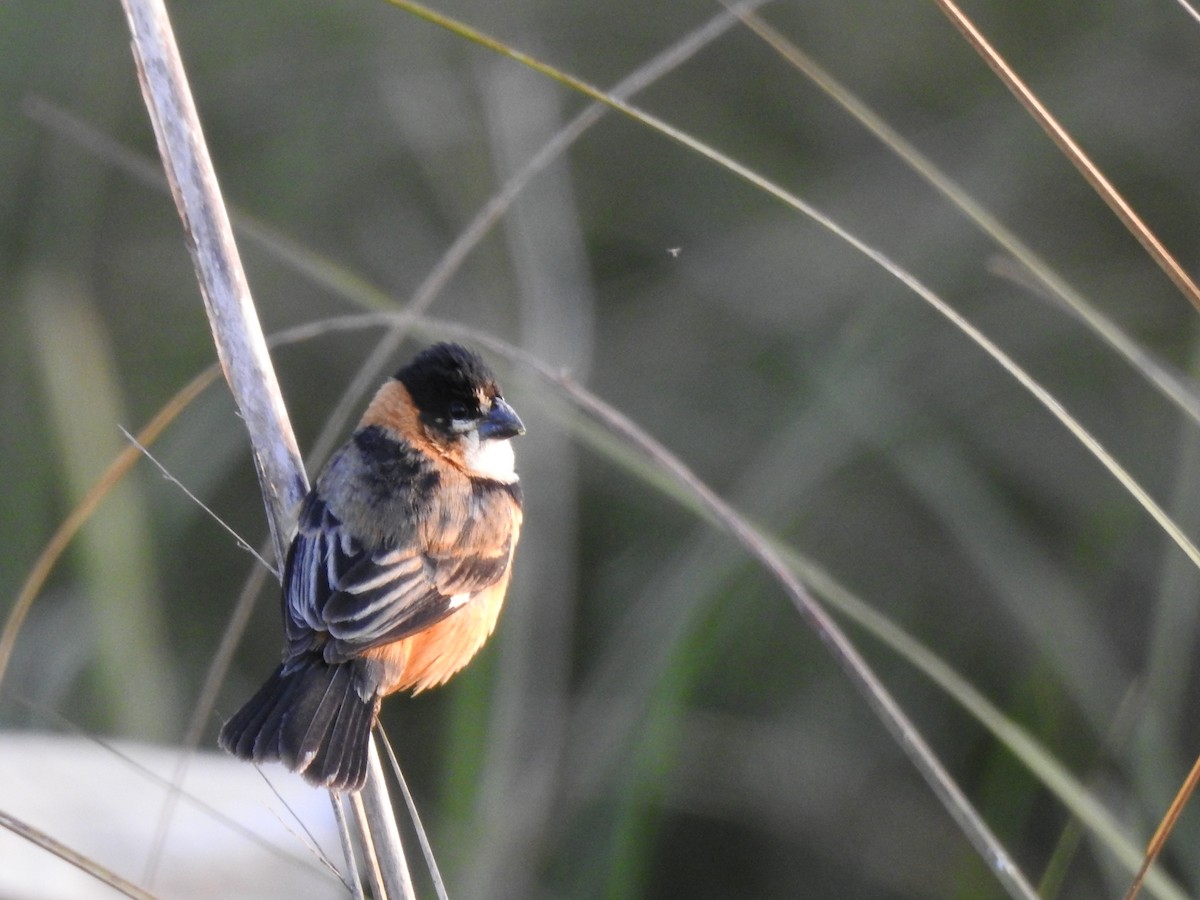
(1165, 827)
(1073, 152)
(1153, 246)
(75, 520)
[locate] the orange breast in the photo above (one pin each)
(428, 658)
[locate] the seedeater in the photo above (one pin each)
(396, 575)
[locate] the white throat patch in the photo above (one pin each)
(490, 459)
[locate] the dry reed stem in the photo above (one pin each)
(1074, 153)
(65, 853)
(241, 346)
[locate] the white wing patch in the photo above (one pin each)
(458, 600)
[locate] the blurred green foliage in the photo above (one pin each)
(652, 720)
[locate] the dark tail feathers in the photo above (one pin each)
(311, 717)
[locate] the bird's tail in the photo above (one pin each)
(311, 716)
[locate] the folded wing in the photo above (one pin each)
(347, 598)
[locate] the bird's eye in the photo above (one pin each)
(458, 410)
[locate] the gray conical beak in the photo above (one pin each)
(502, 422)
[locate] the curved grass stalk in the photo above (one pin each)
(1024, 746)
(1156, 250)
(741, 171)
(844, 652)
(322, 868)
(1039, 761)
(482, 223)
(902, 275)
(1074, 153)
(342, 282)
(75, 858)
(1166, 381)
(373, 319)
(83, 510)
(1190, 10)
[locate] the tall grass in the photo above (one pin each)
(653, 719)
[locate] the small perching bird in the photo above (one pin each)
(398, 569)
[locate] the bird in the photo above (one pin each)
(397, 573)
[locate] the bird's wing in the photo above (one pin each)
(363, 597)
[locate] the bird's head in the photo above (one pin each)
(461, 409)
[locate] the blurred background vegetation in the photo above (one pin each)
(653, 719)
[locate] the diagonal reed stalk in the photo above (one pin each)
(242, 351)
(1070, 149)
(342, 282)
(1093, 175)
(1166, 381)
(1074, 153)
(1157, 252)
(65, 853)
(510, 54)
